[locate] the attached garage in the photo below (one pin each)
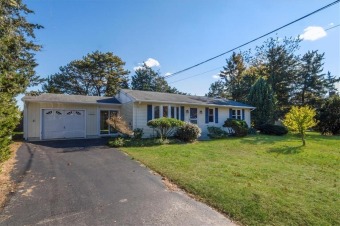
(58, 116)
(60, 123)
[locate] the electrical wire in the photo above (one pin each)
(179, 80)
(253, 40)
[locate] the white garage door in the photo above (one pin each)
(58, 123)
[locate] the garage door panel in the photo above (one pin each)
(58, 123)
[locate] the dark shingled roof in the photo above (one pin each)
(149, 96)
(63, 98)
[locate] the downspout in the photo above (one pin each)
(25, 121)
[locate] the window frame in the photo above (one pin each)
(236, 113)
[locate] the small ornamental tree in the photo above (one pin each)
(165, 126)
(299, 119)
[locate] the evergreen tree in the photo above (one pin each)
(276, 58)
(147, 79)
(262, 97)
(233, 75)
(97, 74)
(17, 63)
(330, 84)
(310, 84)
(217, 89)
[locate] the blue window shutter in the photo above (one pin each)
(182, 113)
(177, 112)
(206, 115)
(149, 116)
(243, 114)
(230, 113)
(216, 115)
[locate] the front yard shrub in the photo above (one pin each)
(119, 124)
(165, 127)
(216, 132)
(329, 116)
(240, 127)
(252, 131)
(117, 142)
(138, 134)
(271, 129)
(188, 132)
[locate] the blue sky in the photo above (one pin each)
(176, 34)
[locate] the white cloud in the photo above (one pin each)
(152, 63)
(217, 76)
(331, 24)
(149, 62)
(313, 33)
(167, 74)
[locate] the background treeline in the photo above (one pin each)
(274, 78)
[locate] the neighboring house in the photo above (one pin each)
(59, 116)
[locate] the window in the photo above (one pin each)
(193, 115)
(236, 114)
(172, 112)
(211, 115)
(165, 111)
(156, 112)
(177, 113)
(104, 127)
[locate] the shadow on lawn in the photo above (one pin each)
(264, 139)
(286, 150)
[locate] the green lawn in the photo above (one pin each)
(258, 179)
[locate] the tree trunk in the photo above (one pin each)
(303, 140)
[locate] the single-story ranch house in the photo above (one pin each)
(59, 116)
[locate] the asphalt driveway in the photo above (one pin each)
(83, 182)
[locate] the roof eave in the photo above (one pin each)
(68, 102)
(186, 103)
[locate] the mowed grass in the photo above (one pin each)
(258, 179)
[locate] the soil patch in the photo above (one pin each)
(6, 184)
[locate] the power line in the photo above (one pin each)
(273, 31)
(179, 80)
(196, 75)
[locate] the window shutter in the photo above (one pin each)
(206, 115)
(149, 113)
(230, 113)
(216, 115)
(243, 114)
(177, 112)
(182, 113)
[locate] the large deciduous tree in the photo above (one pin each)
(262, 97)
(96, 74)
(17, 63)
(147, 79)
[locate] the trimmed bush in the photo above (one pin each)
(271, 129)
(240, 127)
(117, 142)
(138, 134)
(188, 132)
(165, 127)
(252, 131)
(216, 132)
